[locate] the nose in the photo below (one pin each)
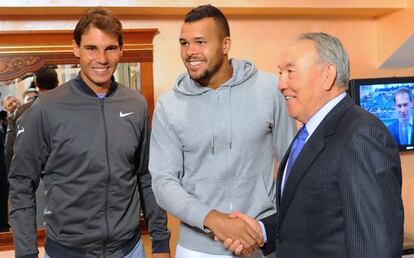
(282, 82)
(101, 57)
(192, 49)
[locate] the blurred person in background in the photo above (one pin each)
(4, 185)
(45, 79)
(10, 103)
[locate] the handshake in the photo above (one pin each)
(239, 233)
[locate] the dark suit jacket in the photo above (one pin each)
(343, 196)
(394, 129)
(11, 133)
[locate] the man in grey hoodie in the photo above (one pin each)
(214, 140)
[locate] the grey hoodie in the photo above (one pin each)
(214, 149)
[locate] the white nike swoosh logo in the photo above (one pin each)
(19, 131)
(125, 114)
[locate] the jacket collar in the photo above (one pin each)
(81, 84)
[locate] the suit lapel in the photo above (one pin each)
(279, 177)
(310, 152)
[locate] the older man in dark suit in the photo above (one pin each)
(339, 184)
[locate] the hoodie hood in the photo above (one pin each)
(242, 71)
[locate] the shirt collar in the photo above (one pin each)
(317, 118)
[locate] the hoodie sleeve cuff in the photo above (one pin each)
(197, 215)
(161, 246)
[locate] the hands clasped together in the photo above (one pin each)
(239, 233)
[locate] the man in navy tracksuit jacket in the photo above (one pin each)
(88, 139)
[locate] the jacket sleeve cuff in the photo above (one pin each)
(160, 246)
(270, 230)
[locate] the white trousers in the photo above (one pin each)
(182, 252)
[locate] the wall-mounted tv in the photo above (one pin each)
(391, 100)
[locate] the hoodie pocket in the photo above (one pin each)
(249, 195)
(214, 194)
(253, 196)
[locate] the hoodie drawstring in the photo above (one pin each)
(213, 125)
(231, 119)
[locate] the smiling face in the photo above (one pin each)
(99, 55)
(204, 52)
(306, 83)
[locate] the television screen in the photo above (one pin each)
(391, 100)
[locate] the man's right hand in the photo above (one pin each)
(234, 245)
(225, 227)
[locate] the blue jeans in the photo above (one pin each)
(137, 252)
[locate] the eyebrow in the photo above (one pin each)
(95, 46)
(196, 38)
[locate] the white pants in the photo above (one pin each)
(182, 252)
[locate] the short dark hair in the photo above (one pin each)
(46, 79)
(209, 11)
(100, 19)
(402, 91)
(3, 115)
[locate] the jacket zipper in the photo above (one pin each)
(108, 179)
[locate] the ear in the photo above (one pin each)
(75, 48)
(226, 45)
(329, 76)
